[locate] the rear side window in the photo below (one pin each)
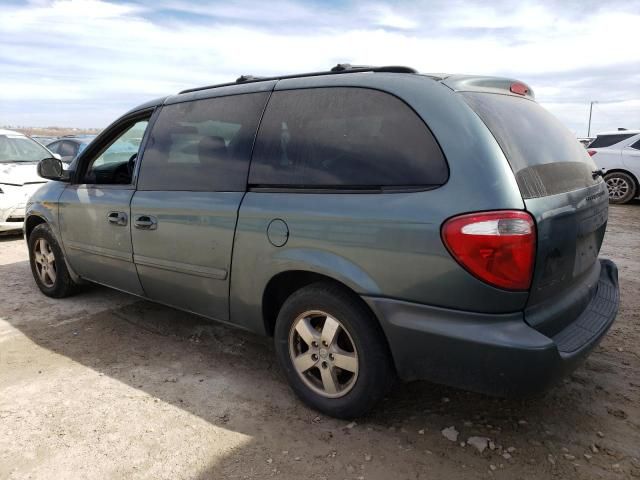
(202, 145)
(602, 141)
(344, 137)
(544, 155)
(636, 145)
(67, 149)
(53, 147)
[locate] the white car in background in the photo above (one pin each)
(618, 155)
(19, 156)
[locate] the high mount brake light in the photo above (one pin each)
(497, 247)
(519, 88)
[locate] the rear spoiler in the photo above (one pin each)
(473, 83)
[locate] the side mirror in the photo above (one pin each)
(51, 169)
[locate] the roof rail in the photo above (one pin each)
(247, 78)
(338, 69)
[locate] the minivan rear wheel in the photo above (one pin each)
(332, 351)
(621, 187)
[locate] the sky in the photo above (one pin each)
(82, 63)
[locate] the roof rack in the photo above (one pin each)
(338, 69)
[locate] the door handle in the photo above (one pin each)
(117, 218)
(145, 222)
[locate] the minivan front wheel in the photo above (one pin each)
(621, 187)
(47, 263)
(332, 351)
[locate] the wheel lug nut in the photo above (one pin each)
(324, 365)
(314, 344)
(314, 357)
(324, 342)
(331, 356)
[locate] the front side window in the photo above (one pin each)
(202, 145)
(115, 163)
(344, 138)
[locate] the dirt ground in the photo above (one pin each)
(104, 385)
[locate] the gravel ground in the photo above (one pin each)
(104, 385)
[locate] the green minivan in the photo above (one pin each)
(378, 223)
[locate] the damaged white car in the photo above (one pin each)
(19, 156)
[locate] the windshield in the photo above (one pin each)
(18, 148)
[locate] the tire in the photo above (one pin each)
(621, 186)
(359, 345)
(44, 249)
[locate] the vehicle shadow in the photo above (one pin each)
(10, 236)
(229, 378)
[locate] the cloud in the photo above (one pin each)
(84, 62)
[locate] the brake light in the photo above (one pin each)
(519, 88)
(497, 247)
(591, 152)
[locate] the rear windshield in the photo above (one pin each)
(544, 155)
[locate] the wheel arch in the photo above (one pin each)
(283, 284)
(626, 172)
(31, 222)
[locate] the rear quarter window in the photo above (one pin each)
(603, 141)
(544, 155)
(342, 138)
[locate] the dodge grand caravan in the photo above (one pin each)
(376, 222)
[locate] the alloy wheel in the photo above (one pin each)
(618, 187)
(45, 261)
(323, 354)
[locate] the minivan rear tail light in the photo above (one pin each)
(591, 152)
(497, 247)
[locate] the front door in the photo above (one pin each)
(191, 182)
(95, 211)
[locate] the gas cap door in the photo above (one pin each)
(278, 232)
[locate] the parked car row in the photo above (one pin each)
(68, 146)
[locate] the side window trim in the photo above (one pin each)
(105, 139)
(143, 145)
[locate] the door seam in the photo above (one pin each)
(244, 194)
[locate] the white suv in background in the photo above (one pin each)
(618, 155)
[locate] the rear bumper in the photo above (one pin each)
(497, 354)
